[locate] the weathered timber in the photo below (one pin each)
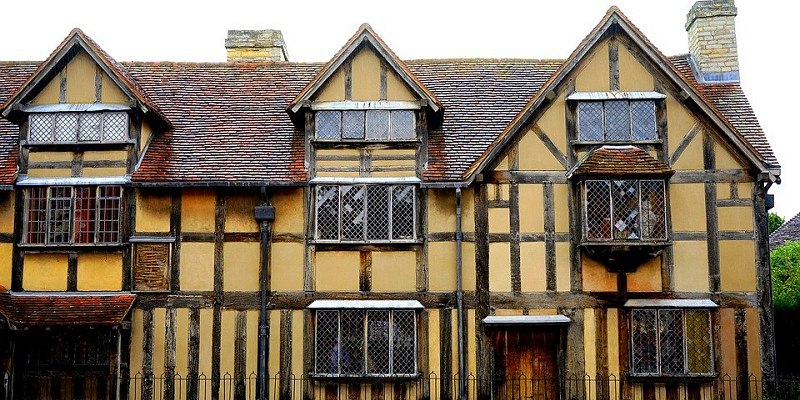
(285, 368)
(613, 64)
(240, 356)
(525, 177)
(365, 271)
(684, 143)
(764, 288)
(421, 252)
(601, 350)
(169, 353)
(514, 246)
(193, 361)
(742, 368)
(548, 143)
(147, 353)
(483, 346)
(175, 231)
(712, 225)
(77, 164)
(549, 231)
(72, 272)
(446, 352)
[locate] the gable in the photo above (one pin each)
(82, 81)
(368, 78)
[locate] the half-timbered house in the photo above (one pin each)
(372, 227)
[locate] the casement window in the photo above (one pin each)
(671, 342)
(365, 343)
(74, 127)
(365, 213)
(72, 215)
(625, 210)
(365, 125)
(617, 121)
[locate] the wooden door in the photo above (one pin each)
(526, 363)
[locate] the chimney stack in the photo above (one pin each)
(712, 40)
(256, 45)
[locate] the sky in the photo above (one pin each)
(177, 30)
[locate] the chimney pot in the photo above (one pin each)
(712, 41)
(256, 45)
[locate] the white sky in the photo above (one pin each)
(148, 30)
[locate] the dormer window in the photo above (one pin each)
(620, 117)
(78, 127)
(625, 209)
(376, 124)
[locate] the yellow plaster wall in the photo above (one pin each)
(152, 211)
(724, 158)
(727, 336)
(333, 89)
(274, 342)
(7, 212)
(737, 265)
(227, 351)
(553, 123)
(499, 267)
(562, 267)
(110, 93)
(499, 220)
(45, 272)
(396, 89)
(99, 271)
(144, 135)
(81, 72)
(753, 342)
(596, 277)
(288, 205)
(442, 210)
(471, 340)
(593, 71)
(252, 341)
(690, 271)
(6, 251)
(50, 93)
(366, 76)
(49, 173)
(241, 266)
(633, 77)
(647, 277)
(561, 201)
(44, 156)
(197, 210)
(181, 341)
(692, 156)
(679, 121)
(286, 266)
(394, 271)
(105, 155)
(297, 347)
(206, 347)
(137, 338)
(197, 266)
(534, 155)
(612, 320)
(688, 211)
(468, 266)
(159, 334)
(735, 218)
(104, 171)
(239, 215)
(532, 267)
(434, 348)
(337, 270)
(589, 342)
(531, 210)
(745, 190)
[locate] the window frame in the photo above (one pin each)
(364, 238)
(366, 118)
(611, 217)
(99, 209)
(79, 116)
(685, 345)
(656, 102)
(365, 346)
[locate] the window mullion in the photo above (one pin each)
(391, 342)
(365, 210)
(365, 345)
(630, 121)
(52, 128)
(47, 215)
(71, 215)
(339, 343)
(685, 343)
(101, 126)
(339, 209)
(390, 207)
(639, 209)
(658, 341)
(611, 210)
(97, 203)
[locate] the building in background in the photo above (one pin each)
(372, 227)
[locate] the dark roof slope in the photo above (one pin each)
(51, 309)
(12, 75)
(789, 231)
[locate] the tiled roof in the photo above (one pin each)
(12, 75)
(790, 230)
(620, 160)
(49, 309)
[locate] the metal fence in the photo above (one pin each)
(428, 387)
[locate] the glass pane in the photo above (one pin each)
(36, 214)
(403, 126)
(698, 341)
(644, 342)
(41, 128)
(327, 342)
(598, 210)
(352, 124)
(654, 212)
(352, 355)
(328, 124)
(590, 121)
(66, 127)
(378, 124)
(89, 129)
(353, 212)
(378, 212)
(626, 209)
(671, 340)
(618, 124)
(643, 120)
(115, 127)
(85, 208)
(108, 214)
(403, 337)
(58, 228)
(378, 342)
(328, 212)
(403, 212)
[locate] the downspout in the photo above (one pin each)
(264, 215)
(462, 363)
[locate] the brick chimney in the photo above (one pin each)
(712, 40)
(256, 45)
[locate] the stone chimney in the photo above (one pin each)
(259, 45)
(712, 40)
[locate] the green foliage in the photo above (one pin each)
(785, 261)
(775, 222)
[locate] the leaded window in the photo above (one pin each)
(617, 121)
(365, 213)
(365, 125)
(365, 343)
(625, 210)
(671, 342)
(73, 127)
(72, 215)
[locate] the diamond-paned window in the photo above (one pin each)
(365, 343)
(617, 121)
(365, 125)
(72, 215)
(671, 342)
(365, 213)
(73, 127)
(625, 210)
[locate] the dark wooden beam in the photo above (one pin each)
(240, 356)
(193, 356)
(72, 272)
(613, 64)
(483, 345)
(169, 354)
(285, 368)
(446, 353)
(175, 231)
(712, 225)
(549, 232)
(514, 243)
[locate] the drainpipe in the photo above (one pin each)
(264, 215)
(462, 356)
